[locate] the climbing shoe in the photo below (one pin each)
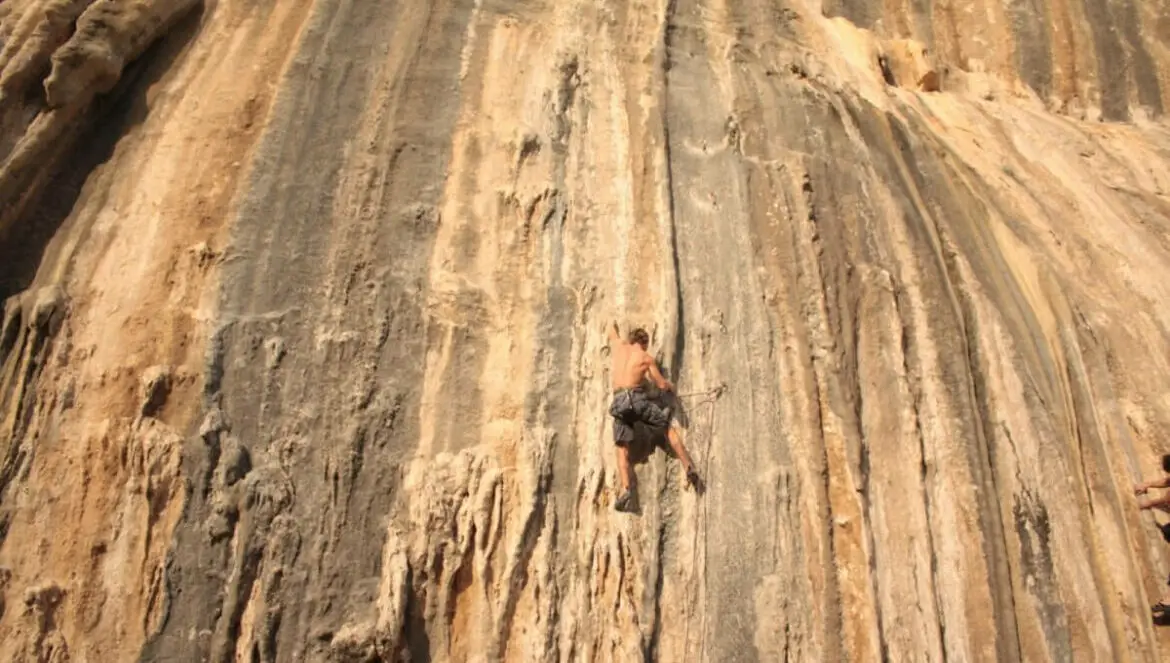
(625, 502)
(1161, 614)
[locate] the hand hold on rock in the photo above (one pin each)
(156, 386)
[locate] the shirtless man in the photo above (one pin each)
(630, 404)
(1161, 609)
(1163, 502)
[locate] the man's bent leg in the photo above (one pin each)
(679, 450)
(1162, 503)
(623, 435)
(625, 502)
(688, 465)
(623, 462)
(1161, 609)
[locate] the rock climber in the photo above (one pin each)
(631, 363)
(1161, 609)
(1162, 502)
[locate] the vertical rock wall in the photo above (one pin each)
(303, 354)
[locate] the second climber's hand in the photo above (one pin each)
(1140, 490)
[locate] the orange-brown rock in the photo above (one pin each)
(303, 352)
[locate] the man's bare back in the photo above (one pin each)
(631, 363)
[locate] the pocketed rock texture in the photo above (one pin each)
(303, 352)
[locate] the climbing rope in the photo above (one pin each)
(713, 393)
(709, 398)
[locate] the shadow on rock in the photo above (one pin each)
(110, 117)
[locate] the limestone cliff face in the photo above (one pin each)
(303, 350)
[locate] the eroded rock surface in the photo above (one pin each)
(303, 353)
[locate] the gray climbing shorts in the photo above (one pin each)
(630, 406)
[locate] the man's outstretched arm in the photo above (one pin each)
(1164, 482)
(659, 380)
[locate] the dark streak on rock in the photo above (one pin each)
(1145, 70)
(675, 362)
(1030, 21)
(650, 648)
(1112, 72)
(345, 388)
(967, 381)
(1035, 534)
(861, 12)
